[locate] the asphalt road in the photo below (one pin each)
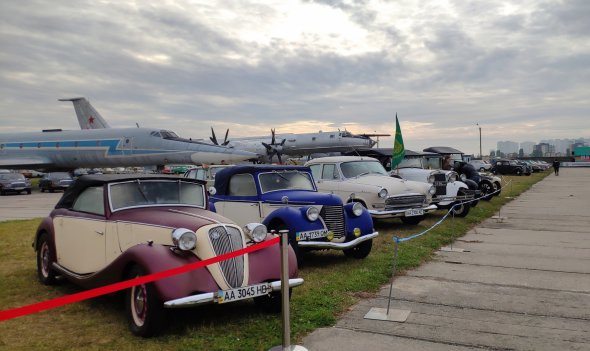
(27, 206)
(522, 284)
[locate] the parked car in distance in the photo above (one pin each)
(285, 197)
(109, 228)
(31, 173)
(481, 165)
(55, 181)
(206, 173)
(14, 183)
(364, 180)
(509, 167)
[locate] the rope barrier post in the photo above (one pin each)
(386, 314)
(450, 247)
(285, 312)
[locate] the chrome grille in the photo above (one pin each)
(224, 240)
(18, 185)
(333, 216)
(440, 183)
(404, 201)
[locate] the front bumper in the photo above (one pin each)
(210, 297)
(379, 214)
(337, 246)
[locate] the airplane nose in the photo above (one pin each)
(228, 156)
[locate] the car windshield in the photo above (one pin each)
(156, 193)
(360, 168)
(411, 163)
(12, 176)
(285, 180)
(60, 175)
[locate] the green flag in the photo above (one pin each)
(398, 147)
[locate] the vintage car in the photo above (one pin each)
(109, 228)
(14, 183)
(450, 191)
(364, 180)
(205, 172)
(509, 167)
(481, 165)
(55, 181)
(285, 197)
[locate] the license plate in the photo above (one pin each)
(414, 212)
(225, 296)
(310, 235)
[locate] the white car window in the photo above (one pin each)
(90, 200)
(316, 171)
(242, 185)
(329, 172)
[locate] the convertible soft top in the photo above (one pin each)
(222, 177)
(86, 181)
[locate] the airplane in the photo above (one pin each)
(56, 149)
(291, 144)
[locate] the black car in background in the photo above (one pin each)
(55, 181)
(510, 167)
(14, 183)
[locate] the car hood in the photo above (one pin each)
(302, 197)
(170, 216)
(392, 184)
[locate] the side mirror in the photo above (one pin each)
(212, 191)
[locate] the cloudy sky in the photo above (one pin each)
(521, 69)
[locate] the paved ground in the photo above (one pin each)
(524, 284)
(27, 206)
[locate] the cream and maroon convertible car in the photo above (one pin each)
(110, 228)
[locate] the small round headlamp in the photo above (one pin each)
(452, 177)
(357, 209)
(382, 193)
(432, 190)
(431, 178)
(255, 231)
(184, 239)
(330, 235)
(357, 232)
(312, 214)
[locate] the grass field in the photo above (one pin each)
(333, 283)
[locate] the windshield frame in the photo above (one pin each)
(282, 172)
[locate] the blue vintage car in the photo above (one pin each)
(285, 197)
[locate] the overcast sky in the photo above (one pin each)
(521, 69)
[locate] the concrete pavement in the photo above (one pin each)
(522, 284)
(27, 206)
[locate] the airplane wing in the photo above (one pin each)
(25, 162)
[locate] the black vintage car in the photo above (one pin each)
(510, 167)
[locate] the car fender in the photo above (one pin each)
(265, 263)
(364, 222)
(294, 218)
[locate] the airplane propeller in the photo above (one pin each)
(213, 138)
(273, 148)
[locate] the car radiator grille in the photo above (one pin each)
(402, 202)
(224, 240)
(333, 216)
(440, 183)
(18, 185)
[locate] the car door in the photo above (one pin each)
(80, 233)
(241, 203)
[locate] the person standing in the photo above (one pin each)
(556, 167)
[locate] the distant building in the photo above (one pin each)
(508, 147)
(527, 147)
(544, 150)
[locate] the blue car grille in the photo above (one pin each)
(404, 202)
(333, 216)
(224, 240)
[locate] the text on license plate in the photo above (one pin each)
(224, 296)
(414, 212)
(310, 235)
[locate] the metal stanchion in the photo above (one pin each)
(285, 312)
(450, 247)
(388, 314)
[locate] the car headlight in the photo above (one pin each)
(431, 178)
(382, 193)
(184, 239)
(357, 209)
(312, 214)
(432, 190)
(463, 177)
(256, 231)
(452, 177)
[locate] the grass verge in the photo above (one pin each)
(333, 283)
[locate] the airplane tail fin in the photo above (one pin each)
(88, 117)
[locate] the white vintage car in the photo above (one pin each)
(449, 189)
(364, 180)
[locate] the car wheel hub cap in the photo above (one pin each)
(45, 260)
(139, 307)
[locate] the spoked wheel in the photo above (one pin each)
(271, 303)
(44, 272)
(461, 209)
(145, 311)
(497, 186)
(487, 189)
(362, 250)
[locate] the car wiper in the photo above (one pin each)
(141, 191)
(362, 174)
(282, 176)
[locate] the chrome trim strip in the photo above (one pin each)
(195, 215)
(397, 213)
(337, 246)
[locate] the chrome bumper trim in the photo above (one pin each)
(397, 213)
(207, 298)
(337, 246)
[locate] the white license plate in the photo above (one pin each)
(224, 296)
(414, 212)
(310, 235)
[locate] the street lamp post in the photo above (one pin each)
(480, 153)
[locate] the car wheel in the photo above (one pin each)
(413, 220)
(51, 190)
(497, 186)
(482, 169)
(518, 172)
(487, 189)
(271, 303)
(145, 311)
(461, 209)
(28, 191)
(282, 226)
(2, 193)
(360, 251)
(44, 260)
